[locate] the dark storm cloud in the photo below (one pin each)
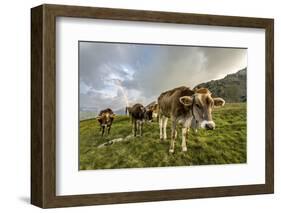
(114, 75)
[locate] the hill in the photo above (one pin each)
(232, 88)
(224, 145)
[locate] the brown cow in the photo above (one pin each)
(188, 108)
(147, 114)
(138, 117)
(105, 118)
(151, 111)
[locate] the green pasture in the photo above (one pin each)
(224, 145)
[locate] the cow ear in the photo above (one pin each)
(219, 102)
(112, 116)
(186, 100)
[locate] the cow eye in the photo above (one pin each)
(197, 105)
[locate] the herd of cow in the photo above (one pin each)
(184, 106)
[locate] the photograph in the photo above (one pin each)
(161, 105)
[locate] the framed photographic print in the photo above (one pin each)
(137, 106)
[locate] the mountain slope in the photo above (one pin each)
(232, 88)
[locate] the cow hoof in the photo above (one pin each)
(184, 149)
(171, 151)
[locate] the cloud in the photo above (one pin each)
(114, 75)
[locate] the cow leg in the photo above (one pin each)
(108, 130)
(132, 122)
(135, 128)
(133, 125)
(194, 125)
(141, 126)
(184, 137)
(173, 137)
(161, 127)
(102, 131)
(165, 127)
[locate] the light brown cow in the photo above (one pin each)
(153, 108)
(105, 119)
(186, 107)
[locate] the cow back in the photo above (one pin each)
(169, 104)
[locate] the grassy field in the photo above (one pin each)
(224, 145)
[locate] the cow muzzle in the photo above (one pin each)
(209, 125)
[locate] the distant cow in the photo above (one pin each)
(128, 111)
(147, 114)
(152, 109)
(138, 117)
(155, 111)
(105, 118)
(188, 108)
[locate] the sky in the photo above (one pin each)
(116, 75)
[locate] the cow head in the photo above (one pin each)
(202, 104)
(105, 118)
(148, 115)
